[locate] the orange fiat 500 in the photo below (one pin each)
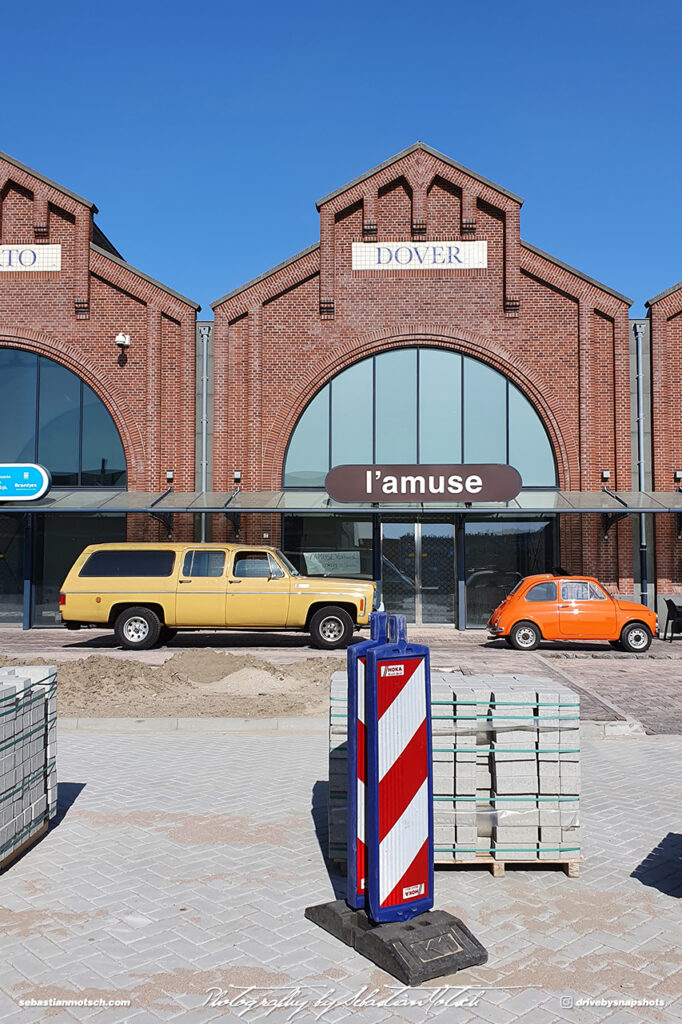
(568, 607)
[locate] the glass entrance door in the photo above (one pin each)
(418, 571)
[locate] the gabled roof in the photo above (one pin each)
(48, 181)
(578, 273)
(406, 152)
(268, 273)
(664, 295)
(145, 277)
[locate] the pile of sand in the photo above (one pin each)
(190, 683)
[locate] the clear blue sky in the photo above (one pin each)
(205, 131)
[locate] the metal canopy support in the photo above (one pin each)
(609, 519)
(165, 518)
(234, 517)
(678, 517)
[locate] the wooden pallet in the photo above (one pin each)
(11, 857)
(497, 867)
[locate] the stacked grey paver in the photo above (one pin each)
(28, 754)
(506, 768)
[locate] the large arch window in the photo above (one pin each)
(419, 406)
(50, 416)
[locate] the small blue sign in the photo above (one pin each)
(23, 481)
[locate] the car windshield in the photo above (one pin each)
(286, 563)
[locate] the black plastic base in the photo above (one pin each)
(429, 946)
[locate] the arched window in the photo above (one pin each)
(419, 406)
(50, 416)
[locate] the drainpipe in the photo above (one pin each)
(644, 585)
(204, 332)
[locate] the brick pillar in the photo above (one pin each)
(254, 399)
(153, 369)
(40, 217)
(468, 213)
(327, 264)
(81, 283)
(512, 261)
(586, 397)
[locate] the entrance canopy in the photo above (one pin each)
(297, 502)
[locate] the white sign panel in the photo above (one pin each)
(332, 563)
(420, 255)
(22, 258)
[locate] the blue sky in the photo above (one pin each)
(205, 132)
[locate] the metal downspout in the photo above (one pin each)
(644, 583)
(204, 331)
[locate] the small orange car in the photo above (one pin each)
(565, 607)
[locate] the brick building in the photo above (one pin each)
(420, 330)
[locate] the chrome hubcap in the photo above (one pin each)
(525, 637)
(637, 638)
(136, 629)
(331, 629)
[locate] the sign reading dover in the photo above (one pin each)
(420, 255)
(487, 482)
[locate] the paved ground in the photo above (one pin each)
(183, 863)
(612, 685)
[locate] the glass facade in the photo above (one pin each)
(50, 416)
(419, 405)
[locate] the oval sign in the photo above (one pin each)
(23, 481)
(470, 483)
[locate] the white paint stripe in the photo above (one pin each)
(360, 830)
(361, 691)
(403, 842)
(401, 720)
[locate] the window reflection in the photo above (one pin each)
(50, 416)
(419, 405)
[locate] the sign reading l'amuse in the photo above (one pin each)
(22, 481)
(471, 483)
(420, 255)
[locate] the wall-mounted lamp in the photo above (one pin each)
(605, 475)
(122, 340)
(236, 476)
(678, 475)
(170, 476)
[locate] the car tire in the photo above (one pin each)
(636, 637)
(331, 627)
(137, 629)
(525, 636)
(167, 634)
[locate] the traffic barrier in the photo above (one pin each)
(356, 840)
(399, 783)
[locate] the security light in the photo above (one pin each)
(678, 475)
(236, 476)
(605, 475)
(170, 476)
(122, 340)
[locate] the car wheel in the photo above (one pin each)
(167, 634)
(636, 637)
(331, 627)
(137, 629)
(525, 636)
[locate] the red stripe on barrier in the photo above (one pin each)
(362, 751)
(402, 781)
(361, 869)
(389, 685)
(415, 882)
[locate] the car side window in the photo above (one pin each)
(251, 565)
(575, 590)
(596, 593)
(542, 592)
(276, 570)
(204, 563)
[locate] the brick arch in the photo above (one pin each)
(542, 396)
(42, 344)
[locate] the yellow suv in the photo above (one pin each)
(147, 592)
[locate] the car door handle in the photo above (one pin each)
(184, 581)
(233, 583)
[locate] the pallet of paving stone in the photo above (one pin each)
(28, 757)
(506, 771)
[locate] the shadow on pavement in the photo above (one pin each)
(318, 813)
(224, 640)
(662, 869)
(67, 794)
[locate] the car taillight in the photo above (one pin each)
(62, 600)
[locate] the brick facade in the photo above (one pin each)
(73, 316)
(665, 315)
(559, 336)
